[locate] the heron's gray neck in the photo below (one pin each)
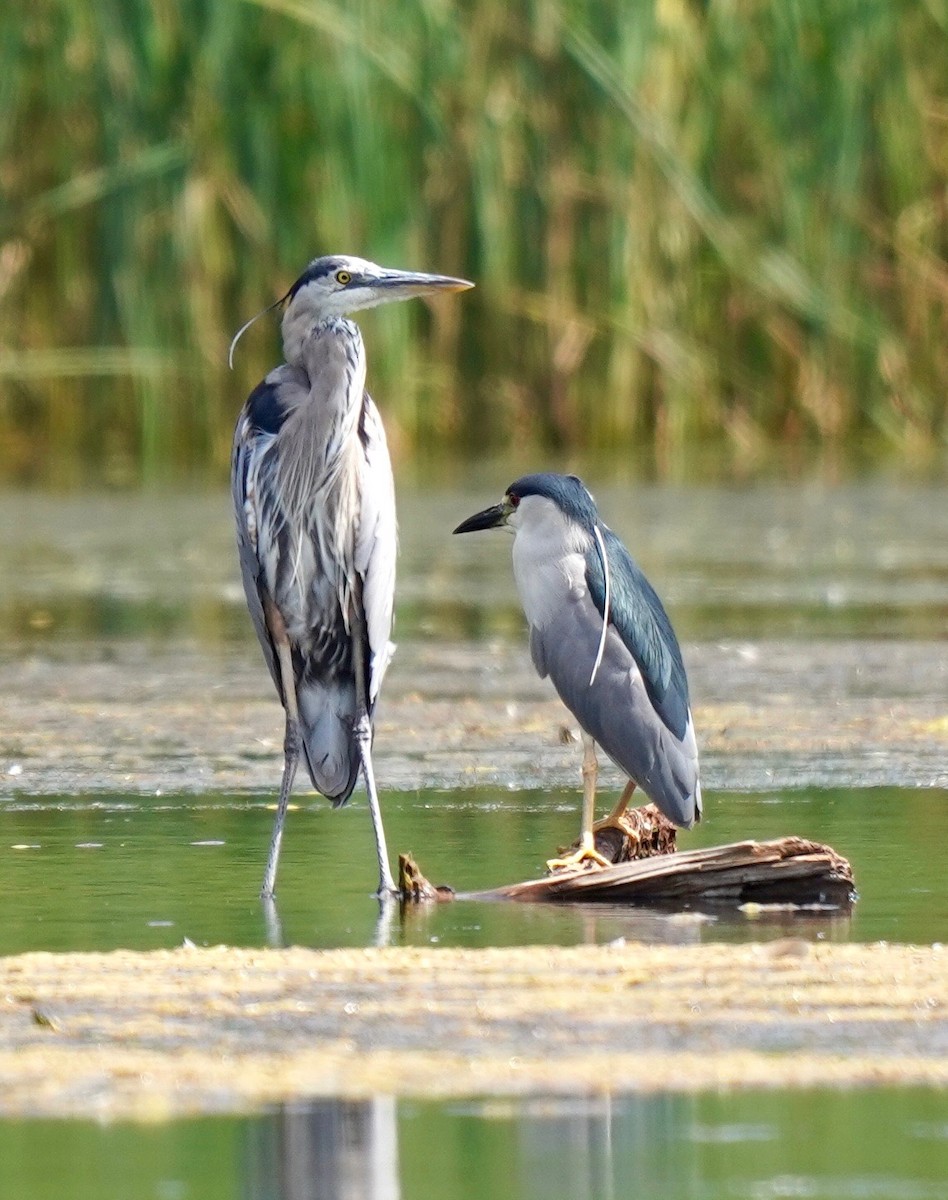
(319, 439)
(302, 332)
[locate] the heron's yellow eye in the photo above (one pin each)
(343, 277)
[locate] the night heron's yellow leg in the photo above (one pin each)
(587, 852)
(621, 805)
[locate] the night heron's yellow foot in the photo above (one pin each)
(612, 821)
(584, 857)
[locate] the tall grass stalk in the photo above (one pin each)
(689, 223)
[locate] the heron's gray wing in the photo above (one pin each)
(639, 619)
(376, 542)
(288, 457)
(257, 427)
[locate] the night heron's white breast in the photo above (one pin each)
(549, 558)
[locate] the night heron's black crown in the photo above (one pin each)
(567, 492)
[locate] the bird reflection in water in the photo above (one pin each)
(326, 1150)
(382, 934)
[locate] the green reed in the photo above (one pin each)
(690, 223)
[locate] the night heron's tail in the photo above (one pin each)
(670, 778)
(327, 715)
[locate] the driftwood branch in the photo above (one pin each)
(649, 870)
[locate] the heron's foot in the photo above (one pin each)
(586, 856)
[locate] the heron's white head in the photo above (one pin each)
(340, 284)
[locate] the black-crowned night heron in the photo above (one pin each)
(315, 507)
(599, 631)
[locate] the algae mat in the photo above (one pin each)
(150, 1035)
(770, 715)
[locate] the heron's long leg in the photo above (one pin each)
(587, 851)
(363, 734)
(291, 754)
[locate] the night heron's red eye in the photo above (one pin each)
(343, 277)
(514, 500)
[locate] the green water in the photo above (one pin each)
(866, 559)
(92, 874)
(883, 1145)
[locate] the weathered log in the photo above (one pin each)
(785, 871)
(649, 870)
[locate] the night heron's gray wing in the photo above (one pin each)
(640, 620)
(651, 739)
(376, 543)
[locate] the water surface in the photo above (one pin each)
(89, 874)
(879, 1145)
(869, 558)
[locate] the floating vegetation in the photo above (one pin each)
(150, 1036)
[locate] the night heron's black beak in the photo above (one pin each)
(490, 518)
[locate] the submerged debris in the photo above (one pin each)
(412, 885)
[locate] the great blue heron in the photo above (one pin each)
(315, 507)
(599, 631)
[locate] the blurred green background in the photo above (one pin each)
(702, 232)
